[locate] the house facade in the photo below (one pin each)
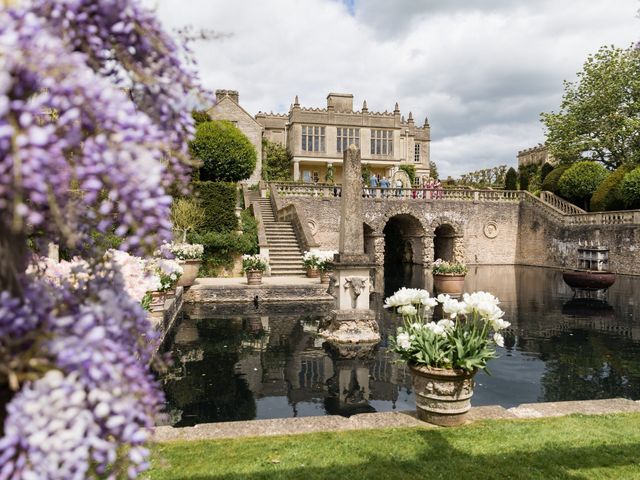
(538, 155)
(317, 138)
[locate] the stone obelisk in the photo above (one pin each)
(352, 321)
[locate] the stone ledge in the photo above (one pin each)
(260, 293)
(365, 421)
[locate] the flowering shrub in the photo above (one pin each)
(310, 260)
(254, 263)
(93, 100)
(463, 339)
(182, 251)
(440, 267)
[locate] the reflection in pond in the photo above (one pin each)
(240, 362)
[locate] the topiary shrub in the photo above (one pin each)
(218, 200)
(607, 195)
(630, 189)
(545, 170)
(524, 180)
(579, 181)
(511, 179)
(226, 153)
(550, 183)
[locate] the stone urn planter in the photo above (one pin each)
(443, 396)
(254, 277)
(451, 284)
(313, 273)
(190, 270)
(325, 276)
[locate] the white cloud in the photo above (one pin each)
(482, 71)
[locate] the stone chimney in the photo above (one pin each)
(341, 102)
(232, 94)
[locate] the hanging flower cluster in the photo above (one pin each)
(93, 130)
(463, 339)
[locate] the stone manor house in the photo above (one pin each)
(317, 137)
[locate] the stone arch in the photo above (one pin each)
(447, 241)
(403, 234)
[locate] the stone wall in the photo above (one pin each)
(545, 241)
(484, 232)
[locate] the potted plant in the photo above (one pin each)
(323, 264)
(448, 277)
(444, 356)
(254, 266)
(189, 255)
(168, 272)
(310, 263)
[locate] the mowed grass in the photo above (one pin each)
(575, 447)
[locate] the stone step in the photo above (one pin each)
(275, 226)
(281, 235)
(279, 249)
(287, 273)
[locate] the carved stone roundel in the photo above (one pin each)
(491, 229)
(313, 226)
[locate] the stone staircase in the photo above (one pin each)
(285, 256)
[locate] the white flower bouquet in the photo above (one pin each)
(254, 263)
(324, 258)
(182, 251)
(442, 267)
(464, 339)
(168, 272)
(310, 260)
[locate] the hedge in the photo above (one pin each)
(607, 195)
(545, 170)
(226, 153)
(218, 199)
(580, 181)
(550, 183)
(630, 189)
(511, 179)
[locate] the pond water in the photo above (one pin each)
(242, 362)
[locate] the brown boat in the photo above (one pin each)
(589, 279)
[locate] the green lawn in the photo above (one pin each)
(576, 447)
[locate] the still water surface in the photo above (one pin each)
(241, 362)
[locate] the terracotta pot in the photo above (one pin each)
(443, 396)
(313, 273)
(190, 272)
(451, 284)
(254, 277)
(325, 276)
(157, 301)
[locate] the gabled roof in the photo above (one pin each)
(229, 99)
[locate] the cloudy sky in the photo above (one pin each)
(480, 70)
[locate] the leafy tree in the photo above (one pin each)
(410, 170)
(550, 183)
(599, 117)
(276, 165)
(186, 215)
(579, 181)
(366, 173)
(487, 177)
(511, 179)
(226, 153)
(200, 116)
(524, 180)
(433, 170)
(545, 170)
(630, 189)
(607, 195)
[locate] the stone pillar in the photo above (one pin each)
(459, 253)
(379, 245)
(427, 250)
(352, 322)
(296, 170)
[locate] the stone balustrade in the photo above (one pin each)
(560, 203)
(555, 207)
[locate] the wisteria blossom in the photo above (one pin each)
(93, 131)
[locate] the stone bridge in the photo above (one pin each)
(472, 226)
